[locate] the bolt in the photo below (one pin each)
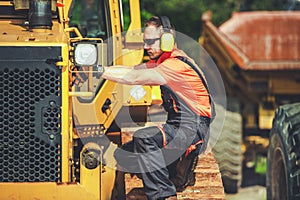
(51, 137)
(52, 103)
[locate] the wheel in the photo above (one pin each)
(283, 170)
(228, 150)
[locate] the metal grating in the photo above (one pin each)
(30, 101)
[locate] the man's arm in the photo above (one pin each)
(140, 66)
(132, 76)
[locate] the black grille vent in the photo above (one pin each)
(30, 125)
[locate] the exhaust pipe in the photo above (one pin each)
(40, 14)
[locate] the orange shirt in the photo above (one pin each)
(183, 81)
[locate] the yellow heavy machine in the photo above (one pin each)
(60, 121)
(258, 56)
(58, 117)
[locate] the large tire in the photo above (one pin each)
(228, 150)
(283, 166)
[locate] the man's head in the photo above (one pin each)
(152, 36)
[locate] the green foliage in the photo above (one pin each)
(126, 14)
(145, 14)
(186, 14)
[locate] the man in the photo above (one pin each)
(186, 100)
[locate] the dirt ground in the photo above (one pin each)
(256, 192)
(252, 188)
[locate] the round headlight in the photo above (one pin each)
(85, 54)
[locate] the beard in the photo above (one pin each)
(154, 54)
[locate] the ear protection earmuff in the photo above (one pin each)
(167, 39)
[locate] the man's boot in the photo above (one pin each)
(185, 175)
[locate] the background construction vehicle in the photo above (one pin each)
(257, 54)
(60, 121)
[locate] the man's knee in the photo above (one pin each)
(148, 132)
(126, 158)
(150, 136)
(141, 144)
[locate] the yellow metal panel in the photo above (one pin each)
(91, 178)
(108, 176)
(44, 191)
(133, 52)
(116, 30)
(135, 15)
(156, 95)
(143, 91)
(131, 57)
(20, 36)
(99, 181)
(265, 117)
(65, 126)
(91, 113)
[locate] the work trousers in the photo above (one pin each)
(153, 149)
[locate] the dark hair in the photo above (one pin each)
(154, 20)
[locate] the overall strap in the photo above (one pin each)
(185, 60)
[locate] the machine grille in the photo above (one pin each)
(30, 125)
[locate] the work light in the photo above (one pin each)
(86, 54)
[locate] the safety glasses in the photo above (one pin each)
(150, 41)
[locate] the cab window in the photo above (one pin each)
(89, 17)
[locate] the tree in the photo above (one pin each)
(186, 15)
